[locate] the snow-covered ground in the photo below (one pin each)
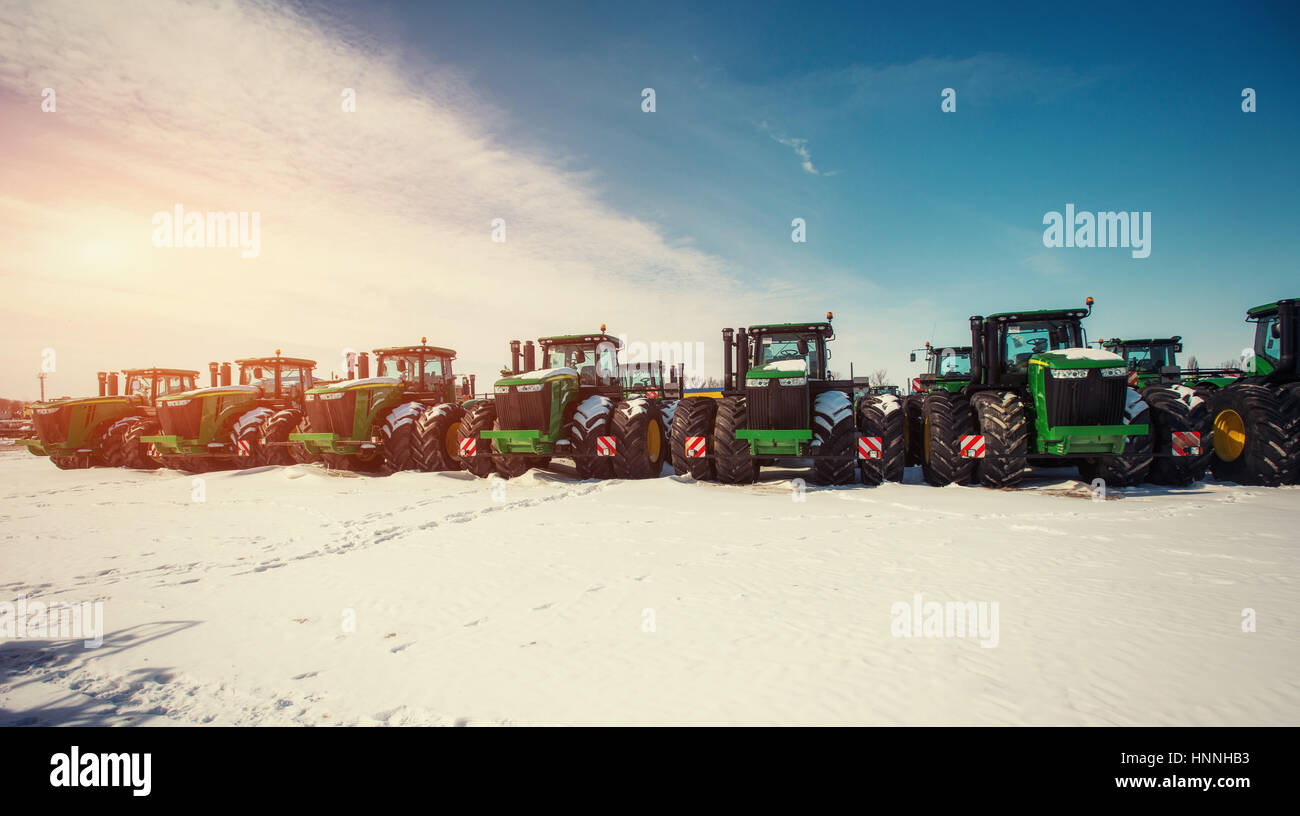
(291, 595)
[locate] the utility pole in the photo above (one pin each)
(42, 378)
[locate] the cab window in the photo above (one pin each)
(141, 386)
(1268, 340)
(1022, 341)
(775, 348)
(952, 362)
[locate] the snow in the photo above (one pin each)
(545, 373)
(1134, 405)
(547, 600)
(888, 403)
(1088, 354)
(799, 365)
(365, 381)
(198, 392)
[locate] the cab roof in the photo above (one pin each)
(1038, 314)
(395, 351)
(814, 327)
(1267, 309)
(580, 339)
(270, 361)
(1161, 341)
(155, 370)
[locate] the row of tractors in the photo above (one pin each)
(1028, 391)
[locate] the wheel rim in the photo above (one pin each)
(1229, 435)
(451, 440)
(652, 441)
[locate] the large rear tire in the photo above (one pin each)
(835, 437)
(437, 438)
(136, 454)
(480, 417)
(732, 462)
(913, 427)
(883, 415)
(945, 418)
(591, 419)
(1254, 434)
(246, 438)
(398, 437)
(113, 448)
(276, 449)
(694, 417)
(1171, 411)
(1002, 420)
(641, 444)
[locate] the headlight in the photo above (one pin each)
(528, 389)
(1114, 372)
(794, 381)
(502, 389)
(178, 403)
(1069, 373)
(760, 383)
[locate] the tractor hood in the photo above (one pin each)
(783, 369)
(1079, 358)
(65, 402)
(205, 392)
(345, 385)
(532, 377)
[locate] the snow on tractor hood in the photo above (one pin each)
(216, 389)
(779, 368)
(1068, 358)
(359, 383)
(537, 376)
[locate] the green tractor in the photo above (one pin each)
(225, 425)
(105, 430)
(1256, 418)
(946, 369)
(406, 418)
(581, 405)
(779, 404)
(1036, 394)
(1155, 362)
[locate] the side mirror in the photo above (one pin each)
(1276, 329)
(401, 366)
(257, 373)
(803, 348)
(912, 356)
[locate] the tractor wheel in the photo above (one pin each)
(1254, 434)
(592, 419)
(135, 454)
(945, 419)
(1001, 418)
(512, 466)
(667, 410)
(113, 449)
(246, 437)
(480, 417)
(398, 435)
(835, 436)
(732, 462)
(1171, 411)
(692, 417)
(67, 462)
(1133, 466)
(641, 443)
(882, 415)
(276, 429)
(913, 426)
(1291, 391)
(437, 438)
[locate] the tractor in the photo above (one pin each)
(406, 418)
(224, 425)
(1256, 418)
(778, 403)
(610, 420)
(946, 369)
(105, 430)
(1036, 394)
(1155, 362)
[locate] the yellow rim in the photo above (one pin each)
(652, 441)
(452, 439)
(1229, 435)
(925, 436)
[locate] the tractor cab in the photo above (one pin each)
(277, 378)
(149, 384)
(647, 379)
(1149, 360)
(791, 349)
(947, 367)
(1007, 345)
(1277, 339)
(422, 369)
(593, 356)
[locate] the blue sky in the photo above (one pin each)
(666, 226)
(1109, 106)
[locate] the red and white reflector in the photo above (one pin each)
(604, 446)
(695, 447)
(469, 446)
(652, 393)
(916, 385)
(1132, 379)
(153, 451)
(869, 447)
(1186, 443)
(243, 448)
(972, 446)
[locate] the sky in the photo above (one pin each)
(376, 223)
